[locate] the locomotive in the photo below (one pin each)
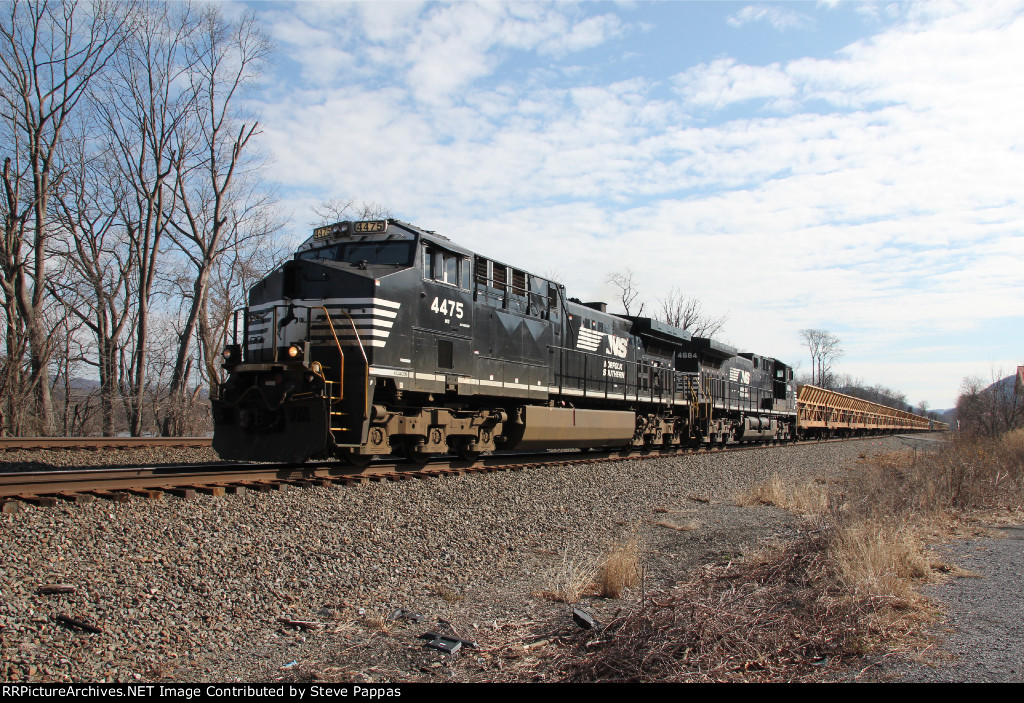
(379, 337)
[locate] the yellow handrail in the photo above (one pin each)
(341, 354)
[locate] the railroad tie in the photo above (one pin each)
(180, 492)
(76, 497)
(116, 496)
(39, 501)
(147, 493)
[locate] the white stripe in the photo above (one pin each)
(360, 325)
(350, 342)
(430, 377)
(330, 302)
(375, 371)
(363, 333)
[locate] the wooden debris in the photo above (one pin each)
(49, 589)
(76, 624)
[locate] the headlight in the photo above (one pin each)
(226, 354)
(294, 351)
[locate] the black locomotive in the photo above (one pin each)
(382, 338)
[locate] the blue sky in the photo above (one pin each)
(852, 166)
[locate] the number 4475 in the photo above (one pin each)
(447, 307)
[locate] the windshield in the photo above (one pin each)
(373, 253)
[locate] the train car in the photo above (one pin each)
(824, 413)
(379, 337)
(741, 396)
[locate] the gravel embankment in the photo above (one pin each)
(192, 590)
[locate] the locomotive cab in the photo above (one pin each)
(299, 379)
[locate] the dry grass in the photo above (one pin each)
(572, 578)
(877, 559)
(761, 620)
(1013, 443)
(805, 499)
(620, 569)
(579, 575)
(448, 595)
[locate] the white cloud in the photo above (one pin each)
(779, 18)
(724, 82)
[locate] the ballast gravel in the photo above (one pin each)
(196, 590)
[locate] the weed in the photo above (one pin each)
(448, 595)
(572, 578)
(620, 569)
(807, 499)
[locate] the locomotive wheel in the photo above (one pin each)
(466, 453)
(416, 456)
(359, 461)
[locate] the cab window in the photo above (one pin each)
(445, 267)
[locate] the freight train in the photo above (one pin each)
(382, 338)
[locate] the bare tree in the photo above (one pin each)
(989, 408)
(339, 210)
(628, 291)
(825, 349)
(687, 313)
(233, 276)
(221, 206)
(50, 52)
(97, 285)
(146, 106)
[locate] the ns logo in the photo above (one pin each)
(618, 346)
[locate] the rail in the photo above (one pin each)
(92, 443)
(45, 488)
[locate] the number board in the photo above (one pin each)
(370, 226)
(323, 232)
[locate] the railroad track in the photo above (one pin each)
(48, 488)
(11, 444)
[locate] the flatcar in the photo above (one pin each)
(382, 338)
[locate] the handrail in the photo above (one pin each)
(630, 391)
(341, 354)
